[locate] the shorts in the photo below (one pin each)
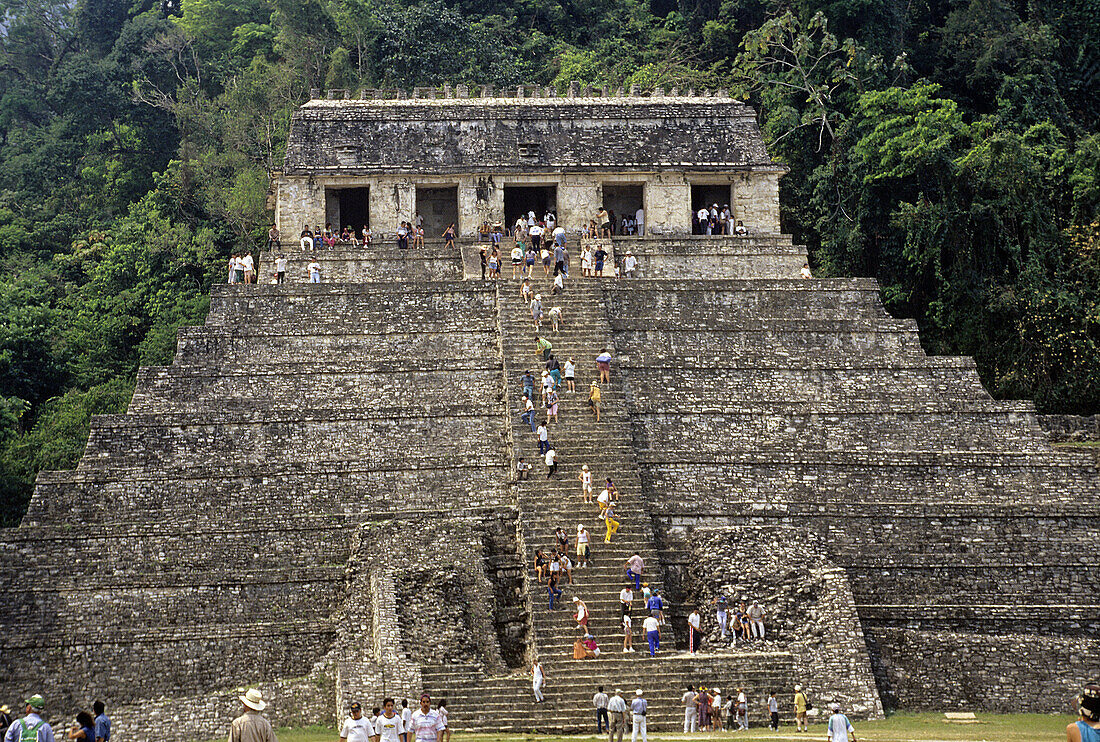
(530, 261)
(517, 261)
(603, 365)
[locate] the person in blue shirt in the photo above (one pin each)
(32, 727)
(638, 711)
(656, 606)
(1087, 726)
(102, 723)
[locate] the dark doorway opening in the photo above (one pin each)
(347, 207)
(439, 209)
(706, 196)
(519, 200)
(623, 200)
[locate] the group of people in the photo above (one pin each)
(317, 238)
(91, 726)
(705, 711)
(716, 221)
(743, 623)
(388, 724)
(604, 224)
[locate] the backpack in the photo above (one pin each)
(808, 704)
(29, 734)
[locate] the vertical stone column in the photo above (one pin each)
(668, 204)
(299, 201)
(392, 200)
(756, 200)
(578, 200)
(480, 199)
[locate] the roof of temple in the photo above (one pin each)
(477, 135)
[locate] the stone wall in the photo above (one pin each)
(202, 542)
(801, 404)
(1071, 428)
(808, 603)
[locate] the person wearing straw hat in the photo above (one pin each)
(638, 709)
(251, 726)
(5, 719)
(32, 727)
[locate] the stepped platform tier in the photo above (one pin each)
(319, 496)
(480, 703)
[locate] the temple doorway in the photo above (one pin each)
(439, 208)
(347, 207)
(706, 196)
(519, 200)
(623, 200)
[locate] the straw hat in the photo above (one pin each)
(253, 699)
(638, 692)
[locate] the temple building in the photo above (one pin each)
(379, 161)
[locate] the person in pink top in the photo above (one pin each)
(634, 566)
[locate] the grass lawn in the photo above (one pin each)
(901, 727)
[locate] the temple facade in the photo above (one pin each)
(465, 160)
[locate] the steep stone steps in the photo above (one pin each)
(582, 338)
(504, 702)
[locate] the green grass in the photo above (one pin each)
(1077, 444)
(900, 727)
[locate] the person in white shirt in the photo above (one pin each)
(638, 709)
(582, 544)
(551, 463)
(517, 259)
(756, 620)
(551, 219)
(840, 729)
(555, 313)
(691, 714)
(616, 710)
(426, 723)
(716, 710)
(630, 264)
(806, 271)
(314, 269)
(280, 269)
(537, 681)
(639, 221)
(628, 633)
(704, 219)
(357, 728)
(695, 636)
(585, 479)
(249, 268)
(569, 374)
(773, 710)
(600, 701)
(742, 709)
(652, 634)
(740, 230)
(626, 600)
(389, 727)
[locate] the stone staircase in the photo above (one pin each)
(477, 702)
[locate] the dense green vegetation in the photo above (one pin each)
(948, 147)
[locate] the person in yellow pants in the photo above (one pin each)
(612, 524)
